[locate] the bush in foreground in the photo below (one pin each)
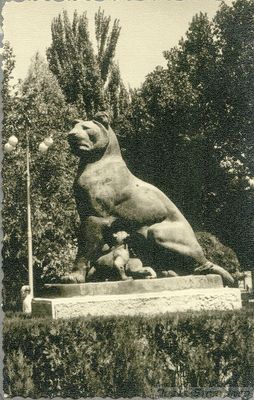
(164, 356)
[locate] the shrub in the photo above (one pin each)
(217, 252)
(179, 355)
(18, 374)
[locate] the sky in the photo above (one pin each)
(148, 28)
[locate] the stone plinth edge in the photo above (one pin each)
(139, 303)
(132, 286)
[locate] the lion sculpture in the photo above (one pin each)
(110, 199)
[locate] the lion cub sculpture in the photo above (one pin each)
(110, 198)
(116, 262)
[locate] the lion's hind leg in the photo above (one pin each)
(119, 265)
(179, 237)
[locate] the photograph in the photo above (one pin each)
(127, 199)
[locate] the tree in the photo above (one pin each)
(191, 126)
(170, 133)
(106, 42)
(8, 67)
(235, 77)
(88, 79)
(39, 110)
(235, 81)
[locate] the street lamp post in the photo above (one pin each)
(43, 147)
(29, 221)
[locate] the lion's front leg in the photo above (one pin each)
(79, 271)
(90, 239)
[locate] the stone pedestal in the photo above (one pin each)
(147, 297)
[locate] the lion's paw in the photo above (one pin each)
(168, 274)
(73, 277)
(127, 278)
(149, 273)
(210, 268)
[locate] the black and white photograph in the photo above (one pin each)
(128, 199)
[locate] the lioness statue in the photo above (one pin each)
(110, 199)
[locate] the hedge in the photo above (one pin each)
(197, 355)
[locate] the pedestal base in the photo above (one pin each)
(132, 286)
(157, 296)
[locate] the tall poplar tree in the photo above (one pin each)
(89, 78)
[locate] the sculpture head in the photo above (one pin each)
(90, 139)
(120, 237)
(87, 138)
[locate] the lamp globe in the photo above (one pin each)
(8, 148)
(48, 141)
(13, 140)
(43, 147)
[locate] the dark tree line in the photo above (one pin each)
(190, 126)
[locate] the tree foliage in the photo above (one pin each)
(7, 68)
(91, 80)
(39, 110)
(191, 126)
